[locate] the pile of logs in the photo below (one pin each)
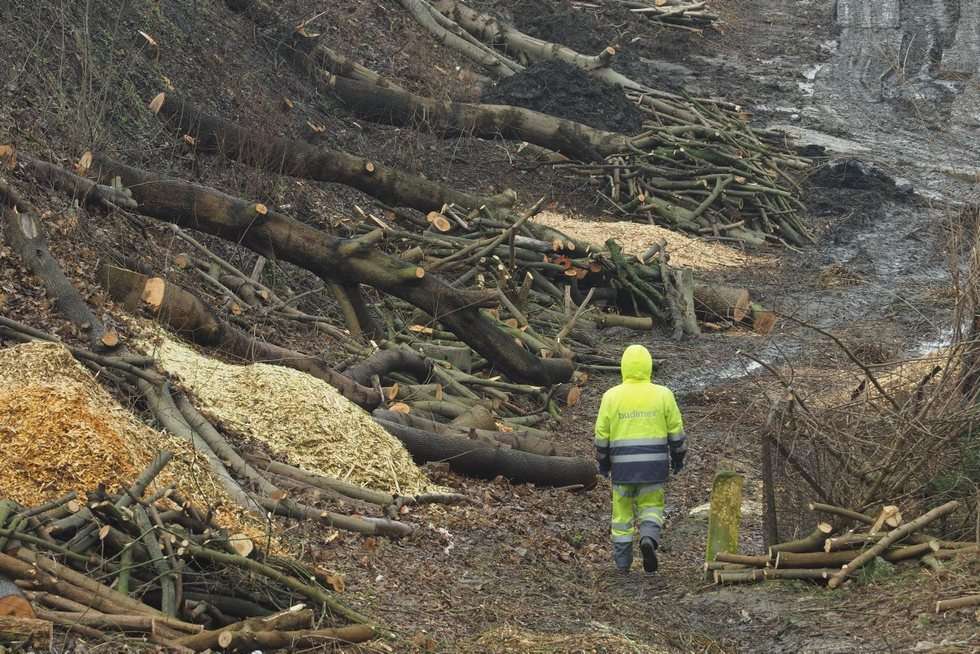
(697, 166)
(684, 14)
(156, 567)
(824, 557)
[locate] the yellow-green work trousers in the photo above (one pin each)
(631, 504)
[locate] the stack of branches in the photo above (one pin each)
(684, 14)
(904, 432)
(158, 568)
(697, 166)
(824, 557)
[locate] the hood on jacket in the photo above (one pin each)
(637, 364)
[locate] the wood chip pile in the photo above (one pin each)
(60, 431)
(302, 419)
(685, 251)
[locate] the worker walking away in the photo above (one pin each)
(638, 433)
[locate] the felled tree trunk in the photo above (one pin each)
(517, 439)
(489, 30)
(279, 30)
(275, 235)
(384, 362)
(477, 459)
(187, 315)
(25, 234)
(299, 159)
(402, 108)
(720, 302)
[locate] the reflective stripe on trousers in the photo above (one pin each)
(643, 503)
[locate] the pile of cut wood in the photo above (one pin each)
(674, 13)
(827, 558)
(156, 567)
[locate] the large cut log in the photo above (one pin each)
(396, 107)
(518, 439)
(299, 159)
(190, 317)
(275, 235)
(25, 234)
(296, 617)
(250, 641)
(813, 542)
(718, 302)
(478, 459)
(278, 30)
(12, 600)
(384, 362)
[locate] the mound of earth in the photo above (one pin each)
(557, 23)
(560, 89)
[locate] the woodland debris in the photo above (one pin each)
(824, 557)
(202, 561)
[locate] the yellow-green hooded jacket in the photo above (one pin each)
(639, 426)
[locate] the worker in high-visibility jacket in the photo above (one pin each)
(639, 433)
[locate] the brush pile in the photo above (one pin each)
(674, 13)
(827, 558)
(157, 567)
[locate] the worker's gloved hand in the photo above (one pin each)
(604, 471)
(677, 462)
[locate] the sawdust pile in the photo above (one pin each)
(301, 418)
(636, 238)
(60, 431)
(512, 639)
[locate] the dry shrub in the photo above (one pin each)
(907, 434)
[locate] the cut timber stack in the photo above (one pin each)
(820, 556)
(176, 577)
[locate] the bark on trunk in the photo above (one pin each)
(384, 362)
(518, 439)
(25, 234)
(275, 235)
(25, 631)
(718, 302)
(477, 459)
(298, 159)
(190, 317)
(402, 108)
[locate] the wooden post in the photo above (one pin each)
(725, 513)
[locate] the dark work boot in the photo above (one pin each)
(648, 547)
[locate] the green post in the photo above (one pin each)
(725, 514)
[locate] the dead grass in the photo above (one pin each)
(598, 640)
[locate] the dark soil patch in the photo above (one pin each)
(557, 23)
(560, 89)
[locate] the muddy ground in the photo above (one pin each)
(852, 77)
